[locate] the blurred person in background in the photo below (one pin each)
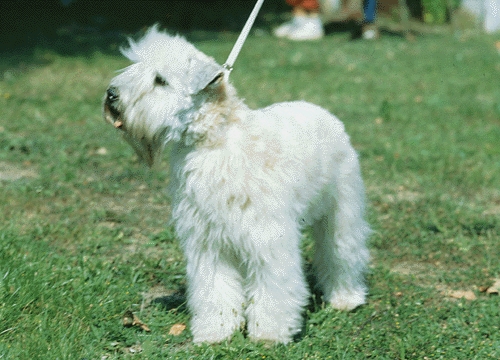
(369, 29)
(307, 24)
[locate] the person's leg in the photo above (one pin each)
(299, 15)
(312, 27)
(370, 7)
(370, 31)
(305, 24)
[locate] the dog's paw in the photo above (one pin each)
(215, 329)
(277, 331)
(211, 338)
(270, 338)
(347, 300)
(212, 334)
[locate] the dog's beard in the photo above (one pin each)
(146, 144)
(147, 148)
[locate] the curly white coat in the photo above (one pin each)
(244, 184)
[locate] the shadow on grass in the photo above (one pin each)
(175, 301)
(84, 26)
(31, 30)
(354, 29)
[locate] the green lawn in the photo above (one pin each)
(83, 234)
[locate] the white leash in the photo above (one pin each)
(228, 65)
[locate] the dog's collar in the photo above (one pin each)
(227, 67)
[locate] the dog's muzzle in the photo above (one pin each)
(111, 111)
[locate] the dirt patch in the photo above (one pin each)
(415, 269)
(494, 210)
(11, 172)
(426, 275)
(393, 194)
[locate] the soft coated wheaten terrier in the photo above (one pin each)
(244, 183)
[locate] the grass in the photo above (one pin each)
(83, 235)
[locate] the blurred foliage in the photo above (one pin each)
(434, 11)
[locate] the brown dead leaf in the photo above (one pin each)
(459, 294)
(177, 329)
(130, 319)
(493, 289)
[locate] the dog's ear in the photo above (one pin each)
(203, 75)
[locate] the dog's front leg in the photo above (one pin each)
(215, 297)
(276, 289)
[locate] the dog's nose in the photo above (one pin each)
(112, 94)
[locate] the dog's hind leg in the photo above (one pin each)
(341, 255)
(215, 297)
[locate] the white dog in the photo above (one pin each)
(244, 184)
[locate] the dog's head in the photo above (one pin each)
(155, 99)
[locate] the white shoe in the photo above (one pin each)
(283, 30)
(310, 29)
(370, 32)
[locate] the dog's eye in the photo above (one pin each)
(160, 81)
